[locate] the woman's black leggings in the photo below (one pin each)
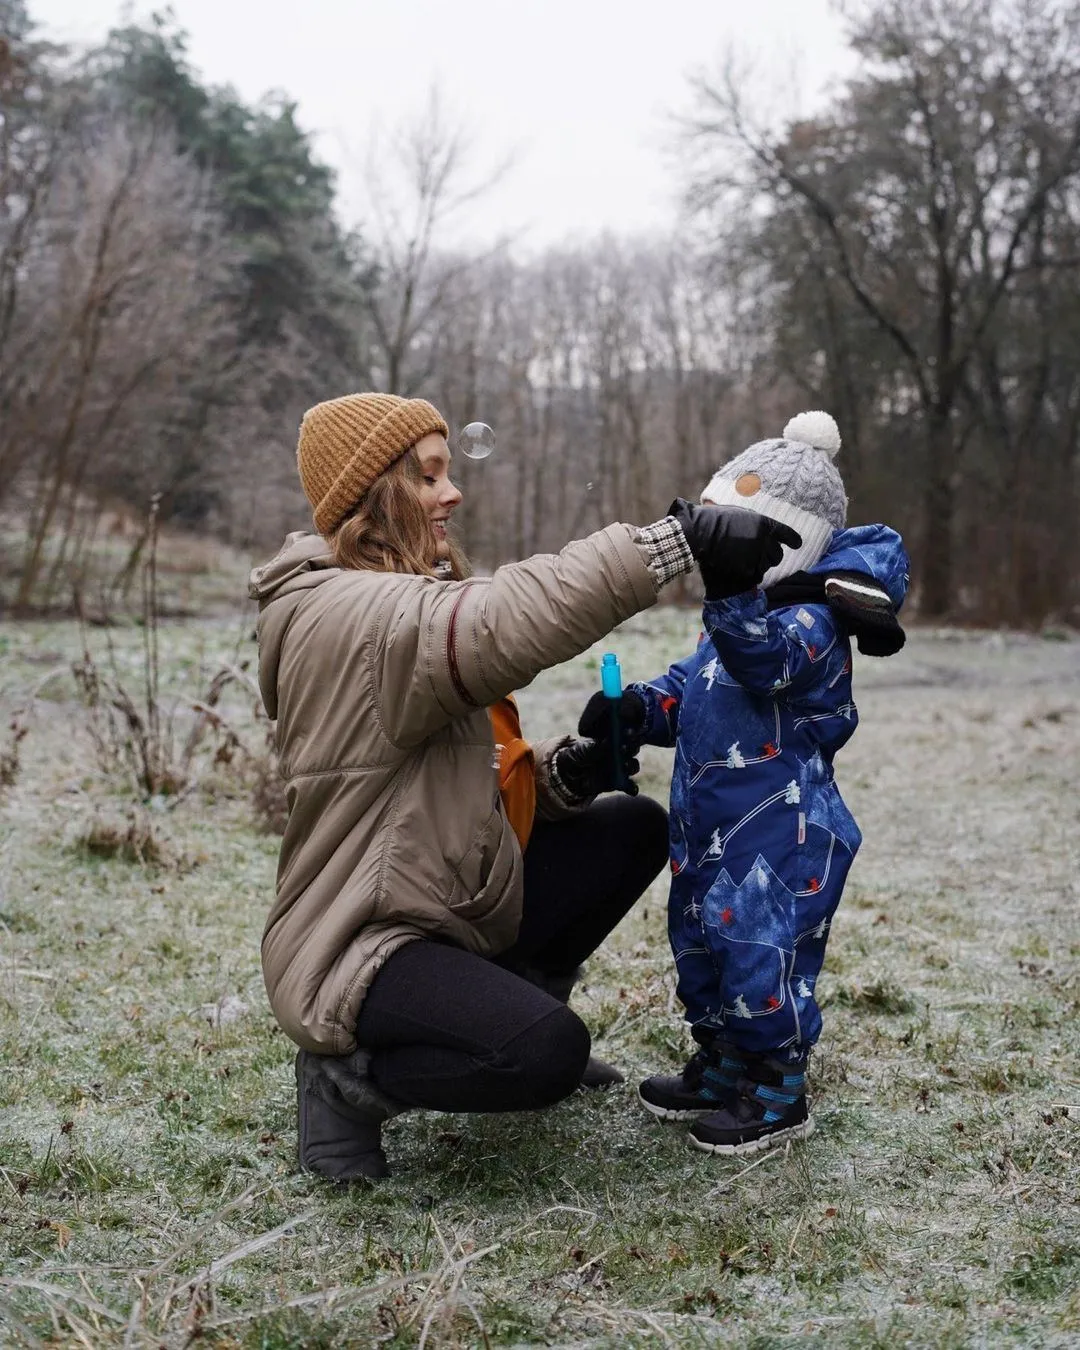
(451, 1031)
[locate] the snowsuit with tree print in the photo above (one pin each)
(761, 840)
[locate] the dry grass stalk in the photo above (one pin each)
(133, 842)
(9, 751)
(133, 732)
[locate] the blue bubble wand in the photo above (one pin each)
(611, 685)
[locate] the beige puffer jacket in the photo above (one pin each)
(380, 685)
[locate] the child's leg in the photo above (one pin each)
(768, 943)
(771, 942)
(711, 1073)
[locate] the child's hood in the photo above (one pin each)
(873, 550)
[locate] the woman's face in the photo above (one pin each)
(437, 493)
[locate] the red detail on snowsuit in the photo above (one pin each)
(772, 1001)
(726, 915)
(815, 884)
(769, 750)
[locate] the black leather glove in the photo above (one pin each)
(733, 548)
(586, 767)
(595, 720)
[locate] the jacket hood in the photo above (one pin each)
(303, 562)
(873, 550)
(303, 558)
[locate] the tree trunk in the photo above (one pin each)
(939, 510)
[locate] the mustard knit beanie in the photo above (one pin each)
(346, 443)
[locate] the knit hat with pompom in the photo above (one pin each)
(790, 478)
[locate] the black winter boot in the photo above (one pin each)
(767, 1109)
(707, 1082)
(340, 1116)
(598, 1073)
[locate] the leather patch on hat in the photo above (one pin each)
(747, 484)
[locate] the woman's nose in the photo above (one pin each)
(451, 494)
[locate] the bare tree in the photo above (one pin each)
(922, 194)
(416, 185)
(606, 372)
(116, 310)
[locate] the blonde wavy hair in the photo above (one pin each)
(389, 530)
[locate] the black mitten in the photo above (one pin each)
(595, 720)
(867, 611)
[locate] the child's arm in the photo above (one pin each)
(649, 710)
(662, 698)
(769, 651)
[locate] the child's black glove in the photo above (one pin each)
(860, 602)
(595, 720)
(586, 768)
(733, 548)
(866, 609)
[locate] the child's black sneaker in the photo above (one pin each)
(768, 1108)
(707, 1081)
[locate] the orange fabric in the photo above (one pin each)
(517, 768)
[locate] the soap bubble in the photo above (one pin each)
(476, 441)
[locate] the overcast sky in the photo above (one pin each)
(579, 90)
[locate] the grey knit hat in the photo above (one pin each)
(790, 478)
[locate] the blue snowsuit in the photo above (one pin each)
(761, 841)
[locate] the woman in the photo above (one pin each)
(405, 911)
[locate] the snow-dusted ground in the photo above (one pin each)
(142, 1134)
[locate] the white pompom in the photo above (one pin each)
(818, 429)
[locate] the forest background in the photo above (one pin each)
(177, 286)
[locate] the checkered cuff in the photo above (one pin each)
(669, 553)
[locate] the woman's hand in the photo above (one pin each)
(733, 548)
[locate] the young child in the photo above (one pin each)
(761, 841)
